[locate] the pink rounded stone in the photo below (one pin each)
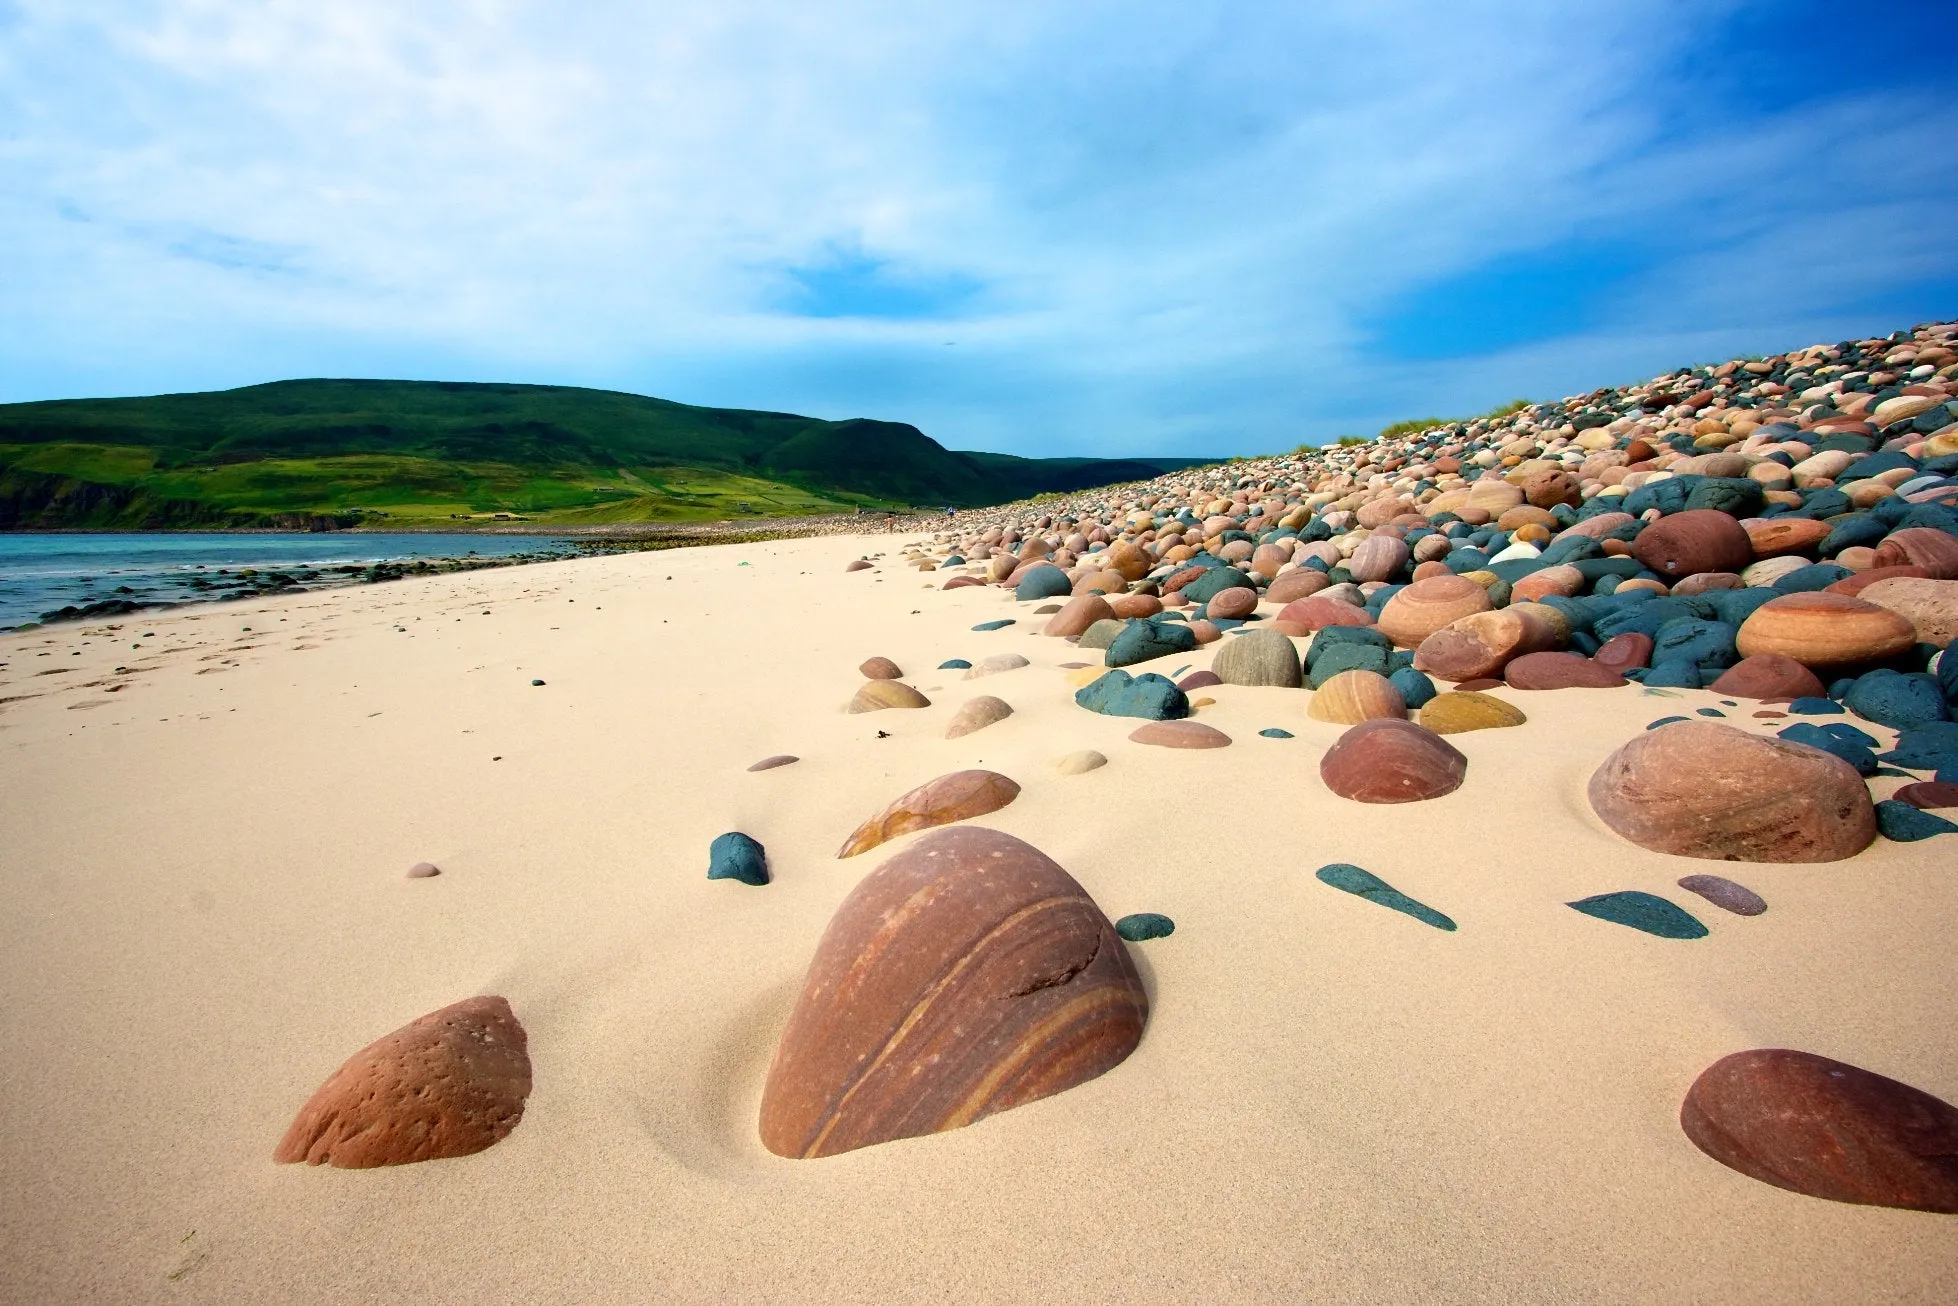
(1392, 761)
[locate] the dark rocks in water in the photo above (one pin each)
(1142, 925)
(1723, 892)
(735, 856)
(967, 975)
(1826, 1129)
(1148, 695)
(450, 1083)
(1365, 884)
(1643, 911)
(1905, 823)
(1706, 789)
(954, 797)
(1001, 624)
(770, 763)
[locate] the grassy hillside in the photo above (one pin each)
(414, 453)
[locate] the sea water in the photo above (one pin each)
(41, 573)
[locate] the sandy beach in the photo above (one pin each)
(207, 912)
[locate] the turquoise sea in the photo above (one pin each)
(41, 574)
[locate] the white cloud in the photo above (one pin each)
(1179, 215)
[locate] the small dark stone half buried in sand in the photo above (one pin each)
(423, 870)
(448, 1084)
(1643, 911)
(1365, 884)
(770, 763)
(536, 683)
(1827, 1129)
(1723, 892)
(1139, 926)
(736, 856)
(1001, 624)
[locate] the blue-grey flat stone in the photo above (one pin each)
(1903, 823)
(1643, 911)
(1145, 925)
(994, 625)
(954, 664)
(1273, 732)
(735, 856)
(1365, 884)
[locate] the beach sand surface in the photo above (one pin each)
(206, 912)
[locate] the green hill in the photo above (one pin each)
(423, 453)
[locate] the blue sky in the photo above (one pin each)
(1088, 228)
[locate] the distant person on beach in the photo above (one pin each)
(890, 523)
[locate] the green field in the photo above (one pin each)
(414, 454)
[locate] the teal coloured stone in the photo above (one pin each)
(1666, 721)
(1045, 582)
(1815, 707)
(1364, 884)
(1415, 688)
(1150, 696)
(1710, 711)
(954, 664)
(1734, 495)
(1345, 657)
(1145, 925)
(1274, 732)
(1643, 911)
(1142, 640)
(1903, 823)
(735, 856)
(1214, 582)
(1897, 699)
(1001, 624)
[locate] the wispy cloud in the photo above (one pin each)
(1148, 226)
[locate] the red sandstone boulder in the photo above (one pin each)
(1390, 761)
(1238, 601)
(1300, 584)
(1427, 605)
(1921, 546)
(1690, 542)
(1702, 789)
(1768, 675)
(880, 669)
(448, 1084)
(1077, 614)
(1553, 670)
(1480, 645)
(967, 975)
(1623, 652)
(1827, 1129)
